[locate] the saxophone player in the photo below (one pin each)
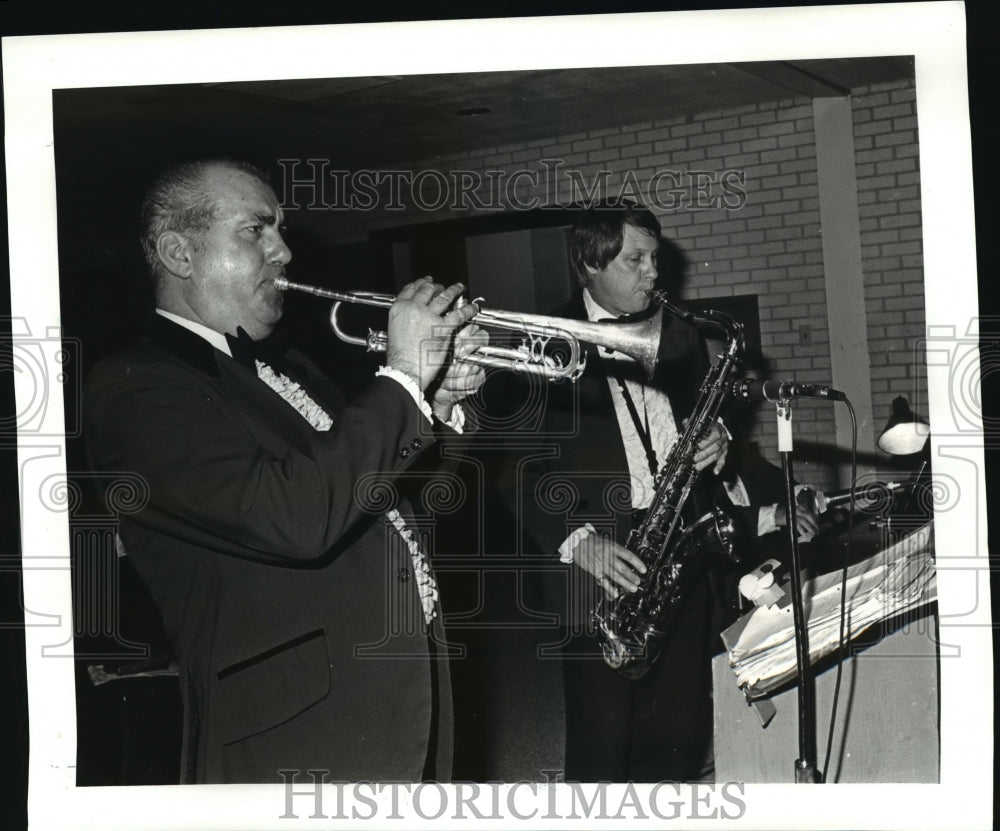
(613, 430)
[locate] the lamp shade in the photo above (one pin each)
(905, 433)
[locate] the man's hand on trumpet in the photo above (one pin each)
(461, 379)
(422, 326)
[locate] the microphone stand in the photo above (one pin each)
(805, 765)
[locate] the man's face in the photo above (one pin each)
(235, 261)
(621, 287)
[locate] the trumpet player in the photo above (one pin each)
(270, 570)
(612, 438)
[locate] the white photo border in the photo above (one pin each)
(934, 33)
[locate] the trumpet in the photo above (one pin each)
(639, 340)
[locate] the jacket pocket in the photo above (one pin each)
(272, 687)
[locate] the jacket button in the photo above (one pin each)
(404, 452)
(416, 444)
(404, 575)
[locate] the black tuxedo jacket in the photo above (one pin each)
(570, 467)
(291, 603)
(764, 482)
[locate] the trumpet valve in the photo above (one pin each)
(377, 341)
(462, 301)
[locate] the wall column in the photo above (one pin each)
(845, 290)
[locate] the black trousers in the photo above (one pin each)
(656, 729)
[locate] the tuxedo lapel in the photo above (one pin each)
(681, 365)
(184, 344)
(595, 391)
(268, 416)
(263, 406)
(595, 402)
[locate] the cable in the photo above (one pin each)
(843, 591)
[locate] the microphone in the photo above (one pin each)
(751, 389)
(864, 495)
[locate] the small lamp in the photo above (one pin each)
(905, 433)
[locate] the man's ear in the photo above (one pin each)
(174, 251)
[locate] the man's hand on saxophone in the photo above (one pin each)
(713, 449)
(611, 564)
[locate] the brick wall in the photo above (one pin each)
(737, 191)
(885, 145)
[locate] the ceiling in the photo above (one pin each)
(378, 120)
(111, 142)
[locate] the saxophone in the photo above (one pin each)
(632, 626)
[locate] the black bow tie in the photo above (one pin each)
(632, 317)
(246, 351)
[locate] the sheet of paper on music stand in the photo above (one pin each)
(900, 578)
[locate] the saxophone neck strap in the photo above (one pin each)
(641, 425)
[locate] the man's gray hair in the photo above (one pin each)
(178, 201)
